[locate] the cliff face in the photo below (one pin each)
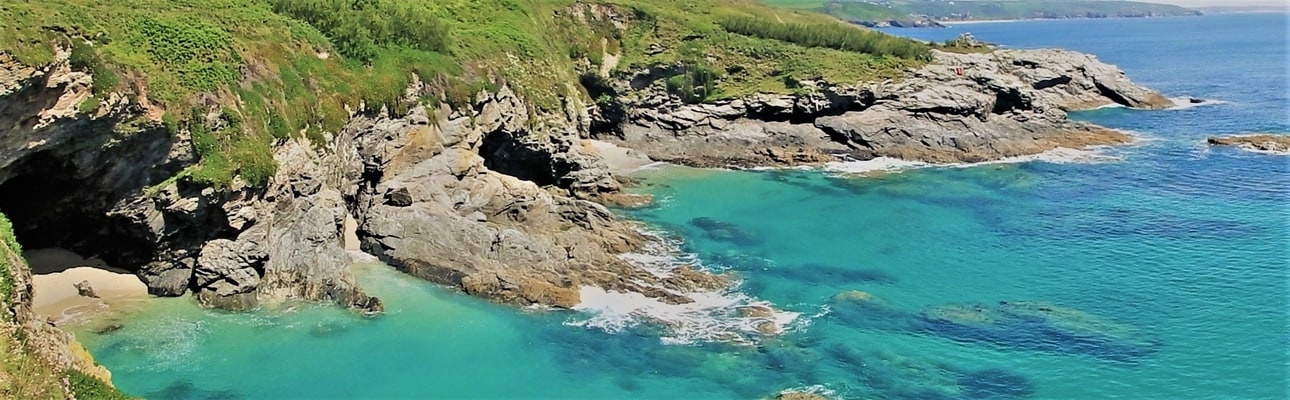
(959, 108)
(488, 197)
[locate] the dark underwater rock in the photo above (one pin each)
(725, 231)
(824, 273)
(894, 376)
(1040, 326)
(860, 309)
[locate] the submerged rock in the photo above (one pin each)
(725, 231)
(1040, 326)
(799, 396)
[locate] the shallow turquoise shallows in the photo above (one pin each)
(1152, 271)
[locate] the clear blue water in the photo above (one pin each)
(1187, 246)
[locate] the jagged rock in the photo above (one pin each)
(1264, 143)
(85, 290)
(799, 396)
(959, 108)
(496, 210)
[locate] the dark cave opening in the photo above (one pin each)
(51, 208)
(505, 154)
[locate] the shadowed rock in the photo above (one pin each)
(823, 273)
(892, 375)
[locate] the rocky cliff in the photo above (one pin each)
(960, 108)
(488, 197)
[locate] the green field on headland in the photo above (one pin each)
(283, 68)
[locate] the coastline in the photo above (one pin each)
(55, 274)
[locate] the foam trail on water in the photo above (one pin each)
(1183, 103)
(1060, 155)
(879, 164)
(714, 316)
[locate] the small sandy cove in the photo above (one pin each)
(55, 275)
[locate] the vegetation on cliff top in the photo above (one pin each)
(9, 242)
(905, 10)
(285, 68)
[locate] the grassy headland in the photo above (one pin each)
(907, 10)
(285, 68)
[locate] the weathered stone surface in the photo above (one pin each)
(84, 289)
(460, 222)
(959, 108)
(1279, 144)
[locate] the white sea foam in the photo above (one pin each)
(1184, 103)
(650, 166)
(717, 315)
(879, 164)
(1060, 155)
(819, 390)
(713, 316)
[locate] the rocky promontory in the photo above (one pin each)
(962, 107)
(489, 197)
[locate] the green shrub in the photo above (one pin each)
(86, 58)
(828, 35)
(201, 53)
(7, 239)
(696, 84)
(361, 28)
(86, 387)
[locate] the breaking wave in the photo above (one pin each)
(714, 316)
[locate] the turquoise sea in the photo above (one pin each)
(1180, 250)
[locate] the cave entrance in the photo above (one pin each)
(505, 154)
(51, 208)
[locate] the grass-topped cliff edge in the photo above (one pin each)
(277, 69)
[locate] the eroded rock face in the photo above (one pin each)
(442, 211)
(489, 198)
(1277, 144)
(959, 108)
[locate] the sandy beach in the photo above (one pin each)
(621, 160)
(55, 275)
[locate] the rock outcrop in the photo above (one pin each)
(960, 108)
(1277, 144)
(491, 197)
(488, 197)
(438, 208)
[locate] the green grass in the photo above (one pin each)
(903, 10)
(290, 68)
(86, 387)
(10, 246)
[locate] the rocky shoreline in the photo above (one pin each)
(1274, 144)
(960, 108)
(493, 198)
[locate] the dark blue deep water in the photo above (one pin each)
(1151, 271)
